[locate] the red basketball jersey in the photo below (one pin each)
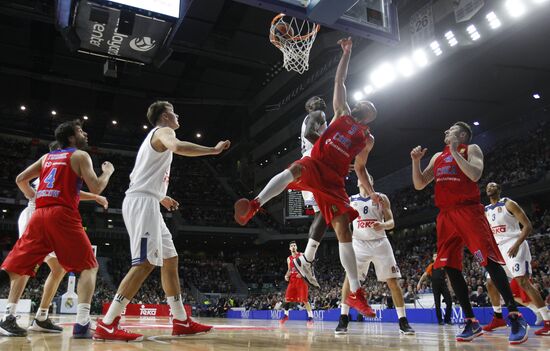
(59, 184)
(452, 186)
(293, 271)
(340, 143)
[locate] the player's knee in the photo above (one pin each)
(522, 281)
(392, 283)
(296, 170)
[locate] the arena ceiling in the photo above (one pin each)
(223, 60)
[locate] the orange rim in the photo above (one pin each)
(316, 29)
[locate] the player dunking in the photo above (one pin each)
(461, 222)
(297, 290)
(56, 225)
(41, 322)
(312, 128)
(150, 240)
(372, 245)
(505, 216)
(347, 138)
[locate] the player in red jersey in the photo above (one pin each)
(346, 139)
(297, 289)
(461, 222)
(61, 175)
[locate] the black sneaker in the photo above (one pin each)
(9, 327)
(342, 327)
(404, 327)
(46, 326)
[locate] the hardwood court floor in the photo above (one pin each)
(232, 334)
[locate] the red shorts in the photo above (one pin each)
(54, 228)
(465, 226)
(518, 292)
(297, 290)
(328, 189)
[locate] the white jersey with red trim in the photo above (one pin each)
(306, 144)
(369, 212)
(503, 224)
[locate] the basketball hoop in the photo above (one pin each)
(294, 39)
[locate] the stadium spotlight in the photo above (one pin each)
(435, 48)
(405, 67)
(145, 127)
(53, 113)
(22, 107)
(536, 96)
(539, 1)
(358, 95)
(494, 22)
(199, 135)
(85, 118)
(419, 57)
(450, 36)
(472, 30)
(515, 8)
(368, 89)
(383, 75)
(476, 123)
(114, 122)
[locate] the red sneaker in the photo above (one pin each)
(245, 210)
(188, 327)
(114, 332)
(283, 320)
(358, 301)
(496, 323)
(545, 330)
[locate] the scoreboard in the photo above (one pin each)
(295, 207)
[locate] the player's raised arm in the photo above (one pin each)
(339, 100)
(314, 121)
(167, 137)
(422, 178)
(23, 178)
(82, 161)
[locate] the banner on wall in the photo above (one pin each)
(146, 310)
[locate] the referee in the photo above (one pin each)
(439, 287)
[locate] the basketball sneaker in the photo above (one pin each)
(82, 331)
(9, 327)
(539, 318)
(358, 301)
(309, 322)
(342, 327)
(45, 326)
(520, 328)
(305, 268)
(283, 319)
(114, 332)
(472, 330)
(545, 330)
(188, 327)
(496, 323)
(404, 327)
(245, 210)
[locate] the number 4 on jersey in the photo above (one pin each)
(50, 179)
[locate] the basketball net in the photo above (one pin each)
(296, 43)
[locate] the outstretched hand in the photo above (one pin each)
(346, 44)
(221, 146)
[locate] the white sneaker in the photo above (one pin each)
(539, 318)
(305, 269)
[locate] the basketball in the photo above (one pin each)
(280, 31)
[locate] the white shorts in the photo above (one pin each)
(309, 200)
(380, 253)
(150, 239)
(23, 221)
(521, 264)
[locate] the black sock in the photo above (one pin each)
(461, 290)
(4, 278)
(499, 278)
(498, 315)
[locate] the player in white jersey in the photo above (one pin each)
(150, 240)
(505, 217)
(312, 127)
(41, 322)
(371, 244)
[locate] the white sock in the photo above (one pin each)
(287, 312)
(400, 312)
(311, 249)
(344, 309)
(10, 309)
(497, 309)
(347, 258)
(41, 314)
(275, 186)
(544, 313)
(117, 306)
(176, 305)
(310, 314)
(83, 313)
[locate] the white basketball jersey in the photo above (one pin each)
(503, 224)
(34, 185)
(369, 213)
(306, 144)
(151, 172)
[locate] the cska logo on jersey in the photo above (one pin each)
(462, 150)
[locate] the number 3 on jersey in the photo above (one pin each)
(50, 179)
